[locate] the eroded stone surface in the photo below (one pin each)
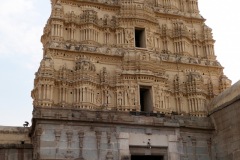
(121, 138)
(148, 55)
(15, 143)
(226, 120)
(129, 77)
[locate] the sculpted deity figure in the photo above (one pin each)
(149, 39)
(129, 36)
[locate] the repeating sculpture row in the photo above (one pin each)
(94, 28)
(128, 55)
(86, 88)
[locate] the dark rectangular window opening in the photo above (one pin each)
(140, 38)
(146, 157)
(145, 99)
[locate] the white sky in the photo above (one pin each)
(21, 27)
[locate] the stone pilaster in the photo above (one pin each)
(81, 137)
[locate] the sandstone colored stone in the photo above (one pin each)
(121, 78)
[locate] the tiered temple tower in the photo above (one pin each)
(121, 79)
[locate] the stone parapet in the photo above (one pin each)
(14, 135)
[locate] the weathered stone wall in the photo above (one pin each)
(226, 120)
(16, 152)
(93, 135)
(15, 144)
(92, 59)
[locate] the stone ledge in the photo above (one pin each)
(14, 130)
(118, 117)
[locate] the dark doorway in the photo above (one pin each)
(150, 157)
(145, 99)
(140, 38)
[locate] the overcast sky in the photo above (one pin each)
(21, 27)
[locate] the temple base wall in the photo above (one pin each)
(117, 135)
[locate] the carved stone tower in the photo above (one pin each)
(125, 79)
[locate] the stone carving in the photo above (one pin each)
(194, 141)
(164, 57)
(110, 117)
(149, 39)
(125, 158)
(81, 136)
(109, 137)
(85, 65)
(131, 94)
(224, 83)
(69, 155)
(90, 57)
(193, 76)
(109, 156)
(98, 116)
(69, 138)
(210, 89)
(98, 140)
(172, 58)
(129, 36)
(69, 135)
(57, 135)
(54, 45)
(209, 143)
(120, 98)
(193, 61)
(120, 52)
(123, 76)
(104, 75)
